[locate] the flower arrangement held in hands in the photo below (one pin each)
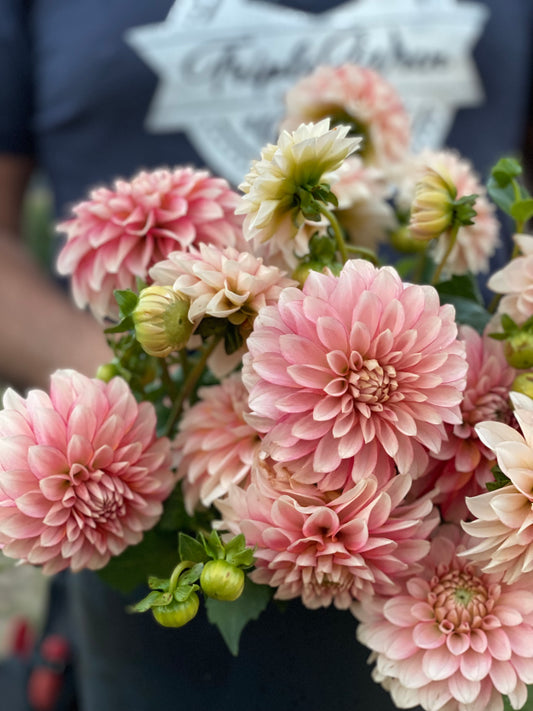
(284, 415)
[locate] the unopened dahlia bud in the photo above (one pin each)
(523, 383)
(161, 321)
(519, 350)
(432, 210)
(107, 371)
(402, 240)
(222, 580)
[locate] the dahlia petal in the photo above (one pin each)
(474, 666)
(49, 428)
(439, 664)
(44, 460)
(33, 504)
(427, 635)
(463, 690)
(17, 525)
(503, 676)
(499, 644)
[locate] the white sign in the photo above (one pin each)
(224, 66)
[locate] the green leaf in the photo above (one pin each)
(503, 197)
(191, 549)
(192, 575)
(467, 311)
(183, 592)
(500, 479)
(213, 546)
(232, 617)
(155, 555)
(126, 300)
(160, 584)
(126, 324)
(464, 286)
(505, 170)
(146, 603)
(522, 210)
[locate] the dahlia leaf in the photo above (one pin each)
(522, 210)
(126, 300)
(505, 170)
(191, 549)
(465, 286)
(467, 311)
(232, 617)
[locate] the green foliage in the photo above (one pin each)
(500, 479)
(463, 293)
(232, 617)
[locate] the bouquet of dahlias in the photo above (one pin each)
(285, 417)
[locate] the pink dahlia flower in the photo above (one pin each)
(355, 96)
(363, 210)
(454, 639)
(465, 461)
(329, 549)
(116, 235)
(475, 243)
(515, 282)
(360, 367)
(215, 446)
(504, 517)
(82, 473)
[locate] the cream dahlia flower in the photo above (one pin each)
(454, 639)
(515, 282)
(82, 473)
(223, 283)
(363, 211)
(305, 158)
(504, 517)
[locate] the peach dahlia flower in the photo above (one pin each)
(360, 367)
(454, 639)
(328, 549)
(82, 473)
(462, 466)
(215, 447)
(356, 96)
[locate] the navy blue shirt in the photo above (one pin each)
(76, 95)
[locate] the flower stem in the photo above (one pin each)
(166, 379)
(178, 570)
(452, 239)
(339, 237)
(364, 252)
(190, 383)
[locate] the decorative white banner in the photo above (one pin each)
(224, 66)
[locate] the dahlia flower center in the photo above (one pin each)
(95, 497)
(460, 600)
(492, 406)
(370, 382)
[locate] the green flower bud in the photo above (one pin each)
(222, 580)
(519, 350)
(523, 383)
(107, 371)
(161, 321)
(177, 614)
